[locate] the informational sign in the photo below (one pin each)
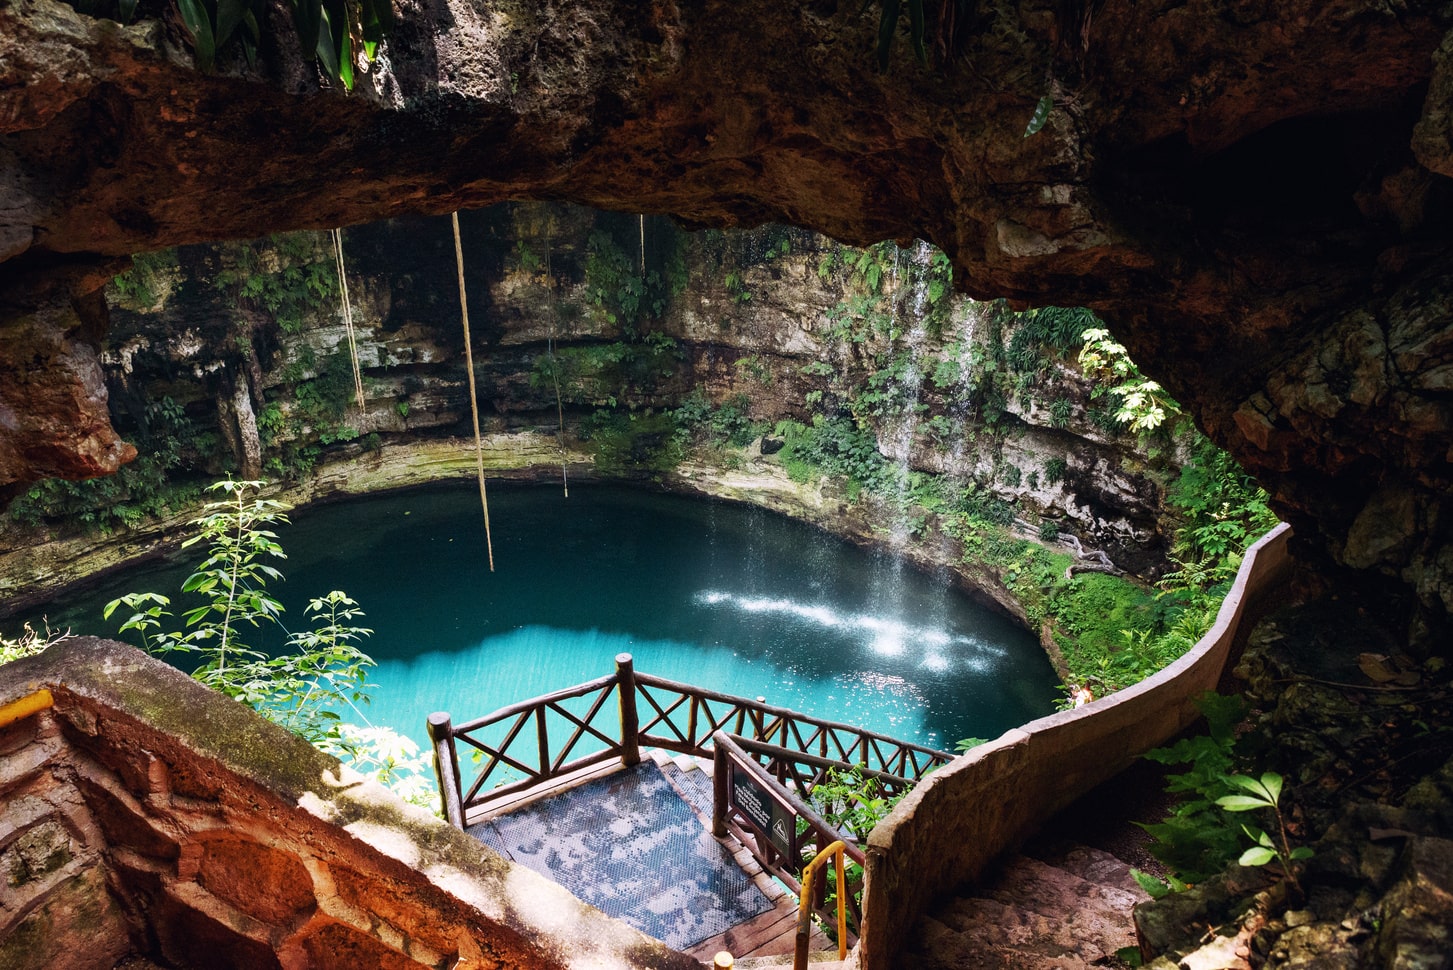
(773, 819)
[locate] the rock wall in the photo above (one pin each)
(236, 357)
(1238, 187)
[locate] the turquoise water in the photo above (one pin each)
(724, 596)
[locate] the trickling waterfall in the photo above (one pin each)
(900, 431)
(972, 316)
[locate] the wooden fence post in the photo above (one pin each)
(720, 778)
(630, 721)
(446, 768)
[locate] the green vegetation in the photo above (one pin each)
(608, 374)
(853, 804)
(318, 672)
(139, 285)
(289, 276)
(168, 444)
(29, 643)
(700, 424)
(1143, 404)
(617, 286)
(221, 29)
(627, 440)
(1198, 838)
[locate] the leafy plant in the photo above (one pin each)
(327, 30)
(319, 671)
(1257, 794)
(288, 275)
(1143, 404)
(855, 805)
(30, 642)
(1197, 838)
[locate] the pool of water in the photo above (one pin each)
(723, 596)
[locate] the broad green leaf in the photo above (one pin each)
(916, 29)
(229, 15)
(1256, 856)
(887, 26)
(1241, 803)
(1256, 786)
(345, 62)
(1040, 116)
(308, 18)
(1156, 888)
(199, 24)
(1302, 852)
(1272, 782)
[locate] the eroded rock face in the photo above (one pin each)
(1255, 195)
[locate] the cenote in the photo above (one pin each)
(712, 593)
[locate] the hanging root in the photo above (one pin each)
(473, 396)
(555, 372)
(348, 317)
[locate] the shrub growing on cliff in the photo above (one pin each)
(320, 670)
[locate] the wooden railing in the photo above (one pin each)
(778, 823)
(528, 744)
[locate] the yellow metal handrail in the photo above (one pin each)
(26, 706)
(804, 905)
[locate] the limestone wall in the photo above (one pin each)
(970, 811)
(146, 815)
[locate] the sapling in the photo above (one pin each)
(1265, 792)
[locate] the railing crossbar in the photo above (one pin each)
(554, 697)
(663, 716)
(582, 727)
(496, 755)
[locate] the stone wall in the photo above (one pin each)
(969, 812)
(148, 816)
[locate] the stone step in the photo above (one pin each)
(940, 947)
(1035, 916)
(1095, 865)
(1050, 890)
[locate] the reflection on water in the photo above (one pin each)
(727, 597)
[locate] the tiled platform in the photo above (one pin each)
(632, 845)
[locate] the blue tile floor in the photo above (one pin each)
(631, 846)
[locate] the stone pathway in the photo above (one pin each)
(1067, 910)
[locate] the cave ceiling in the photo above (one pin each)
(1254, 194)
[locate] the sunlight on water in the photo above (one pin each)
(722, 596)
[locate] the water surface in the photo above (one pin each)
(724, 596)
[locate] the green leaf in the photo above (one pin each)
(1302, 852)
(199, 25)
(1256, 856)
(1271, 782)
(229, 15)
(1156, 888)
(375, 19)
(1241, 803)
(345, 61)
(325, 50)
(308, 18)
(1041, 115)
(887, 26)
(916, 29)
